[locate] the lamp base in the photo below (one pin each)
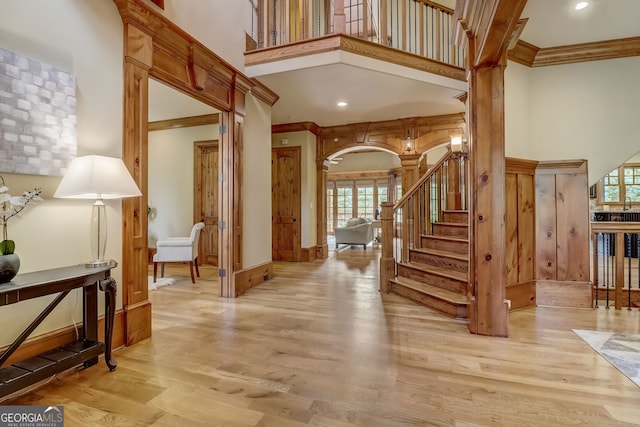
(101, 263)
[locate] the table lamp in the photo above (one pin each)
(99, 178)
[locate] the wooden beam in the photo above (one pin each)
(296, 127)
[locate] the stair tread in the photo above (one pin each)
(432, 290)
(441, 237)
(442, 253)
(445, 272)
(452, 224)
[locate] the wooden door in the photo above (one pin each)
(205, 199)
(286, 204)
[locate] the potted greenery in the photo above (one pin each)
(11, 206)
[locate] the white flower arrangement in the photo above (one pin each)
(11, 206)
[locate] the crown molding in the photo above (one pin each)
(533, 56)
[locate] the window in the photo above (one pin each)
(383, 191)
(632, 183)
(344, 203)
(365, 199)
(611, 187)
(330, 217)
(619, 184)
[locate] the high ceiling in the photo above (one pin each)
(557, 22)
(376, 90)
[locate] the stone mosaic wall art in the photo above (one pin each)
(37, 116)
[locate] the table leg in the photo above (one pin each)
(109, 287)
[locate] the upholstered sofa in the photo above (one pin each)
(357, 231)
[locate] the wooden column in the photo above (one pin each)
(387, 262)
(138, 53)
(488, 311)
(486, 28)
(454, 196)
(410, 172)
(322, 251)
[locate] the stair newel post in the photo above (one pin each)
(454, 195)
(387, 262)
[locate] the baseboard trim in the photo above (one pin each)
(322, 251)
(309, 254)
(522, 295)
(251, 277)
(557, 293)
(50, 340)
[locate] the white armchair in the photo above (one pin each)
(179, 249)
(357, 231)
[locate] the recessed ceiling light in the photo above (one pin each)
(581, 5)
(342, 104)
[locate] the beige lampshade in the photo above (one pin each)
(97, 177)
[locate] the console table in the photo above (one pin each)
(86, 349)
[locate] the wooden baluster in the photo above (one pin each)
(619, 269)
(594, 240)
(339, 19)
(383, 37)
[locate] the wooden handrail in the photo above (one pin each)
(428, 174)
(615, 227)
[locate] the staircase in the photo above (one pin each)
(431, 241)
(436, 272)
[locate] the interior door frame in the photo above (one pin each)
(155, 47)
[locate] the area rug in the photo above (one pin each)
(621, 350)
(160, 281)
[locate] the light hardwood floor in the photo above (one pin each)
(319, 346)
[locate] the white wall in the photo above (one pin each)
(84, 38)
(576, 111)
(307, 141)
(256, 192)
(171, 179)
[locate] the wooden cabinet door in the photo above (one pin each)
(286, 203)
(205, 199)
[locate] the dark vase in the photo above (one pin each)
(9, 266)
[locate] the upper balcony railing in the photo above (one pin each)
(421, 27)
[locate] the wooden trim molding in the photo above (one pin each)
(523, 53)
(356, 175)
(251, 277)
(607, 49)
(205, 119)
(390, 134)
(522, 295)
(553, 167)
(554, 293)
(308, 254)
(532, 56)
(514, 165)
(356, 46)
(39, 344)
(296, 127)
